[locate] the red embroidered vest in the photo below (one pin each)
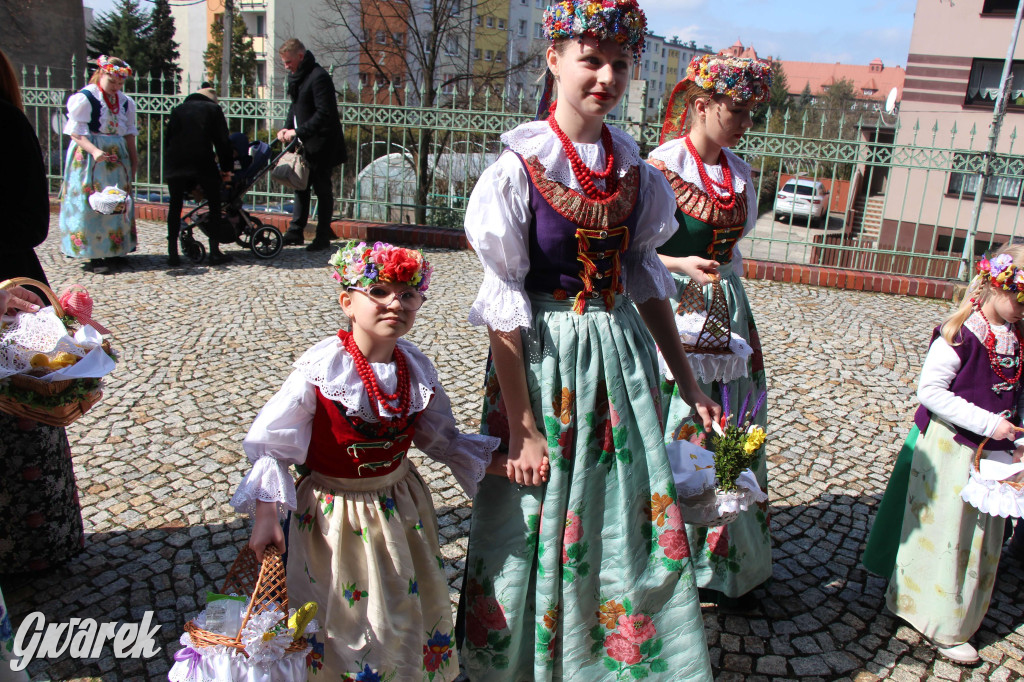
(349, 447)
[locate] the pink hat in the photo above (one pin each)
(77, 302)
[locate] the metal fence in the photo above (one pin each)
(899, 195)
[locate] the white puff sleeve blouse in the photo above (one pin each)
(80, 114)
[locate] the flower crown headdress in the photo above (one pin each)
(620, 20)
(119, 70)
(740, 78)
(1003, 274)
(360, 265)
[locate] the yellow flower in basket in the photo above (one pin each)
(755, 439)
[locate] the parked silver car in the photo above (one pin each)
(799, 197)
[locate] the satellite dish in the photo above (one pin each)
(890, 102)
(57, 123)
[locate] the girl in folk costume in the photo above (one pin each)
(940, 552)
(716, 205)
(101, 123)
(588, 575)
(363, 541)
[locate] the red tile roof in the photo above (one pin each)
(874, 77)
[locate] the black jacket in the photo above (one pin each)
(314, 114)
(195, 128)
(27, 205)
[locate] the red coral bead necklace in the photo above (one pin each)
(990, 346)
(377, 395)
(582, 171)
(113, 103)
(725, 201)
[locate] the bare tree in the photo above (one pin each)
(418, 50)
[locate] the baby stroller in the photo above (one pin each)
(252, 161)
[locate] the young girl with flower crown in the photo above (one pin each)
(939, 552)
(582, 572)
(363, 541)
(716, 203)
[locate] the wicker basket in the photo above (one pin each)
(1018, 486)
(716, 333)
(61, 415)
(265, 582)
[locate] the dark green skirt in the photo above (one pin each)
(884, 539)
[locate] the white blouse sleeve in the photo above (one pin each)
(278, 437)
(79, 115)
(645, 276)
(940, 368)
(467, 455)
(497, 223)
(130, 124)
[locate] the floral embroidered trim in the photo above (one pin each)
(591, 214)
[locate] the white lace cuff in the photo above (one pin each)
(267, 481)
(468, 456)
(501, 304)
(646, 277)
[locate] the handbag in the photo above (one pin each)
(292, 170)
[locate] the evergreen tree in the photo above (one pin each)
(243, 57)
(778, 95)
(122, 33)
(806, 99)
(163, 50)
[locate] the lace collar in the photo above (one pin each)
(329, 367)
(677, 159)
(1006, 340)
(537, 139)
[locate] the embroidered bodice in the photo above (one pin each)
(80, 113)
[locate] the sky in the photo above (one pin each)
(797, 30)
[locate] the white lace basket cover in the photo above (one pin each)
(267, 660)
(700, 504)
(709, 367)
(995, 486)
(110, 200)
(25, 334)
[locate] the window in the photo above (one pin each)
(476, 53)
(662, 53)
(364, 79)
(501, 24)
(538, 62)
(1003, 187)
(983, 87)
(447, 87)
(400, 39)
(999, 7)
(477, 20)
(499, 56)
(650, 102)
(522, 27)
(663, 69)
(541, 4)
(520, 58)
(261, 24)
(490, 22)
(381, 38)
(524, 2)
(868, 91)
(647, 64)
(451, 47)
(488, 55)
(538, 30)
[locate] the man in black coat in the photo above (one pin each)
(313, 118)
(195, 129)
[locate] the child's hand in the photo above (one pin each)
(499, 466)
(701, 270)
(528, 458)
(266, 530)
(1005, 431)
(706, 408)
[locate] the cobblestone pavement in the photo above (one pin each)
(202, 349)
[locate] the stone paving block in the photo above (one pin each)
(156, 469)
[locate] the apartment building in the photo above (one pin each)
(953, 75)
(662, 65)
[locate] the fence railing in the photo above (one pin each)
(899, 196)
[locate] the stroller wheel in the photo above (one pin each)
(266, 242)
(194, 251)
(245, 233)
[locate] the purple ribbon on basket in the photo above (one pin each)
(192, 656)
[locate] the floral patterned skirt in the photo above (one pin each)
(589, 576)
(736, 558)
(42, 524)
(366, 550)
(85, 233)
(949, 551)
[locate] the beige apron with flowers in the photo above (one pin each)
(366, 550)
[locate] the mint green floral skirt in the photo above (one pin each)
(85, 233)
(588, 577)
(736, 558)
(366, 551)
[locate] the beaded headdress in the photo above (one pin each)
(1003, 274)
(620, 20)
(122, 70)
(742, 79)
(360, 265)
